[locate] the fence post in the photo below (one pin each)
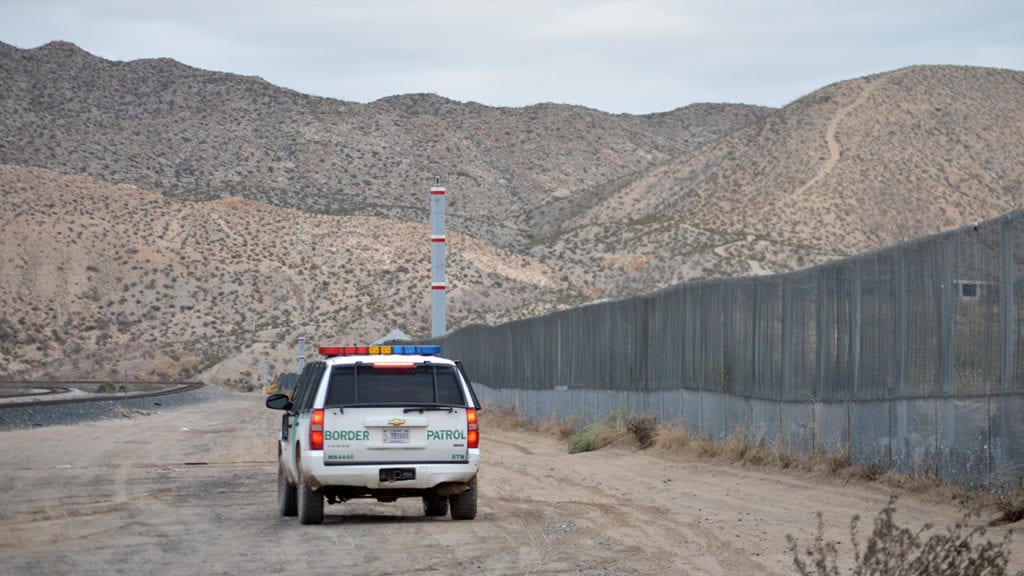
(849, 432)
(947, 349)
(1009, 360)
(856, 328)
(898, 421)
(823, 343)
(787, 336)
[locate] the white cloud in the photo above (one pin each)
(624, 56)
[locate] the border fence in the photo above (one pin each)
(910, 356)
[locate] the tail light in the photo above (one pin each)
(316, 430)
(472, 429)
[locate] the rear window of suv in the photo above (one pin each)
(364, 385)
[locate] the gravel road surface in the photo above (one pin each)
(190, 489)
(14, 417)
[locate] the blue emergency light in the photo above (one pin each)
(430, 350)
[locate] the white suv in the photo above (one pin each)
(382, 422)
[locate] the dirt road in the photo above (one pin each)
(191, 491)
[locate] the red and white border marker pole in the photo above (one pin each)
(438, 289)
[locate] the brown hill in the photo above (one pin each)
(201, 135)
(111, 277)
(152, 212)
(854, 166)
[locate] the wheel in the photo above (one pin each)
(287, 495)
(311, 504)
(434, 505)
(464, 505)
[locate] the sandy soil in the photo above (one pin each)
(192, 491)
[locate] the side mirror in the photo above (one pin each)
(279, 402)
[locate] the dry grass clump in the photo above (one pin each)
(507, 417)
(643, 429)
(829, 462)
(893, 550)
(110, 388)
(871, 472)
(599, 434)
(562, 428)
(913, 483)
(1010, 506)
(737, 447)
(593, 437)
(672, 436)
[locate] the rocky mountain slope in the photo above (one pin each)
(200, 135)
(854, 166)
(173, 221)
(98, 278)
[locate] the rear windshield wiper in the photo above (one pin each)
(434, 408)
(423, 408)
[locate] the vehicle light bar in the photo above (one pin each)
(375, 350)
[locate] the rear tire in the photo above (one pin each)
(311, 504)
(287, 495)
(464, 505)
(434, 505)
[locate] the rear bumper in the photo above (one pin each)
(319, 475)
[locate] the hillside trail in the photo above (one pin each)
(834, 149)
(192, 491)
(756, 268)
(834, 153)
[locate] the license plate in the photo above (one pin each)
(396, 436)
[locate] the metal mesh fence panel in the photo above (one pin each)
(976, 295)
(876, 323)
(800, 341)
(922, 295)
(911, 356)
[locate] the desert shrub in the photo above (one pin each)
(829, 462)
(668, 437)
(736, 447)
(598, 435)
(109, 388)
(893, 550)
(642, 429)
(592, 437)
(506, 416)
(913, 483)
(562, 428)
(759, 452)
(837, 461)
(1011, 507)
(871, 472)
(708, 448)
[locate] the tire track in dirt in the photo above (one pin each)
(567, 500)
(512, 445)
(118, 495)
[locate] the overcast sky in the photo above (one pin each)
(635, 57)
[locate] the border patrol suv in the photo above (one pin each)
(382, 422)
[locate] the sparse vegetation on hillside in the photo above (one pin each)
(854, 166)
(204, 135)
(109, 276)
(550, 206)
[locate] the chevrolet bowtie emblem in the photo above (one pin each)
(396, 422)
